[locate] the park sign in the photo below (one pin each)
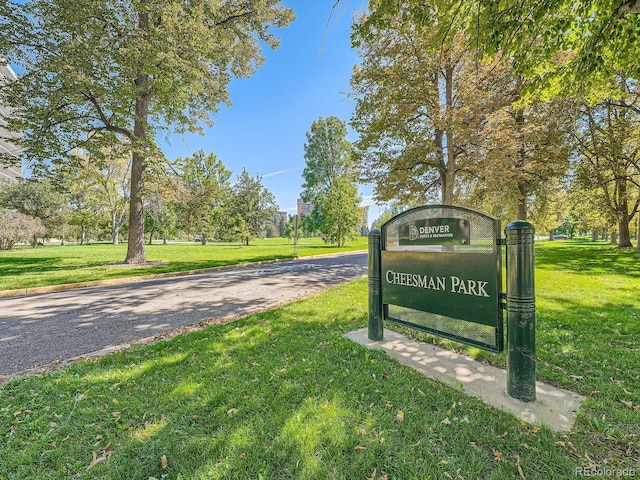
(440, 272)
(439, 269)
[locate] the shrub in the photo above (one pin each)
(16, 227)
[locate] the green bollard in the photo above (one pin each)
(375, 286)
(521, 312)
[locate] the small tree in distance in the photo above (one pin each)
(341, 212)
(330, 181)
(251, 207)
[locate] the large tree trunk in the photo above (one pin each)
(522, 201)
(625, 236)
(135, 249)
(624, 240)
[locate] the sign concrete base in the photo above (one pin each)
(554, 408)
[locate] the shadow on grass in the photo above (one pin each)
(282, 395)
(17, 265)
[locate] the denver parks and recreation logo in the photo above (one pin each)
(435, 231)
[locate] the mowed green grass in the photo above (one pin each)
(284, 395)
(25, 267)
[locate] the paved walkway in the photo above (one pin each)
(39, 331)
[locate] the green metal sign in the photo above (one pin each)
(439, 269)
(440, 272)
(435, 231)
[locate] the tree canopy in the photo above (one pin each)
(330, 180)
(568, 46)
(327, 154)
(96, 72)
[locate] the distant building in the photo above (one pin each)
(304, 208)
(364, 221)
(6, 147)
(281, 217)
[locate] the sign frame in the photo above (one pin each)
(445, 273)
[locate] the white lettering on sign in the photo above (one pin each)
(430, 231)
(456, 284)
(468, 287)
(415, 280)
(434, 229)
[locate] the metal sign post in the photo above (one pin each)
(375, 287)
(521, 312)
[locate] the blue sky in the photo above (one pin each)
(305, 78)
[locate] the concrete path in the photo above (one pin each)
(554, 407)
(37, 331)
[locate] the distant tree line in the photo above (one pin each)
(87, 198)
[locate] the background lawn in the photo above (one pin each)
(25, 267)
(283, 395)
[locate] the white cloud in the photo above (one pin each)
(280, 172)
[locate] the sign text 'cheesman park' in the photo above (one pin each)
(452, 283)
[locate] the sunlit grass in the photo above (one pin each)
(26, 267)
(283, 395)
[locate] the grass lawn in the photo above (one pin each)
(25, 267)
(283, 395)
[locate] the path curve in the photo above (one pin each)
(38, 332)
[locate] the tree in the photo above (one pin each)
(608, 148)
(291, 227)
(17, 227)
(113, 176)
(251, 207)
(161, 205)
(563, 46)
(389, 211)
(341, 212)
(37, 198)
(203, 194)
(588, 209)
(79, 181)
(421, 107)
(98, 183)
(329, 162)
(550, 207)
(97, 70)
(524, 149)
(327, 154)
